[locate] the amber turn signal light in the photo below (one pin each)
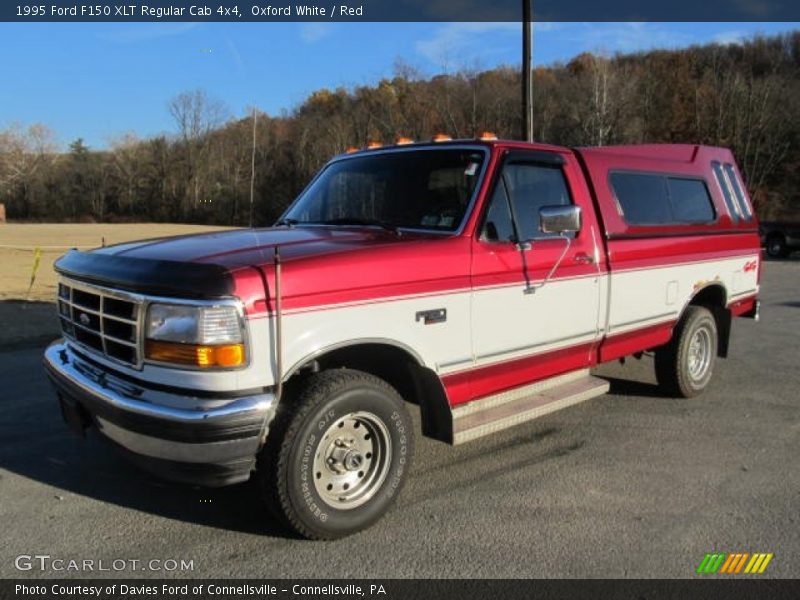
(227, 355)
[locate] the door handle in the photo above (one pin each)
(584, 258)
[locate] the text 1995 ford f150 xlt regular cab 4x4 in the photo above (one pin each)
(478, 279)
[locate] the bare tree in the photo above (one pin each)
(126, 160)
(196, 115)
(22, 153)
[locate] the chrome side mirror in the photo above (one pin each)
(560, 219)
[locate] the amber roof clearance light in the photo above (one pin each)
(373, 145)
(404, 141)
(441, 137)
(487, 136)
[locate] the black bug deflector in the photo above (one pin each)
(167, 277)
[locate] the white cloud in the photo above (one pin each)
(729, 37)
(146, 31)
(456, 44)
(626, 37)
(311, 33)
(236, 56)
(463, 42)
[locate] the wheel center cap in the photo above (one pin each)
(353, 460)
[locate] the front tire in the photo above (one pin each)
(335, 462)
(685, 365)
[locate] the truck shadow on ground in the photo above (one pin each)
(629, 387)
(35, 444)
(92, 469)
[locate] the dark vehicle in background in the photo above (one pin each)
(779, 239)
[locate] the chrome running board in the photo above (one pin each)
(522, 404)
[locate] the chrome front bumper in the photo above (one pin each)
(197, 443)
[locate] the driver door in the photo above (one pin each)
(536, 296)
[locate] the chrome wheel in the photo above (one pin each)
(700, 349)
(351, 460)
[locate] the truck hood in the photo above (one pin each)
(253, 247)
(323, 265)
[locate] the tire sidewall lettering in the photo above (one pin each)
(306, 484)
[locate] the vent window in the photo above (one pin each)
(727, 194)
(738, 192)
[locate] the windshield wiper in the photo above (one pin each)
(360, 221)
(288, 222)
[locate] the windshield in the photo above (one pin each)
(419, 189)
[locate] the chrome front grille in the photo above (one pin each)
(103, 321)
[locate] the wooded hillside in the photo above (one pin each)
(746, 97)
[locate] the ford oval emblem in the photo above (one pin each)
(84, 319)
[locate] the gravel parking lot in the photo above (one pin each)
(631, 484)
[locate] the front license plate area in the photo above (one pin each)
(74, 415)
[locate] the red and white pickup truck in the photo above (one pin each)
(480, 280)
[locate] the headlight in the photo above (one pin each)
(200, 336)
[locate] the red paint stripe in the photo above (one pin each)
(492, 379)
(626, 343)
(514, 277)
(741, 306)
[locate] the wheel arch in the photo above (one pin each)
(397, 364)
(714, 297)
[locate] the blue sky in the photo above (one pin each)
(102, 80)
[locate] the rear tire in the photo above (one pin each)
(685, 365)
(337, 458)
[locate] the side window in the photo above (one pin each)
(531, 186)
(642, 198)
(690, 200)
(738, 191)
(733, 210)
(654, 199)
